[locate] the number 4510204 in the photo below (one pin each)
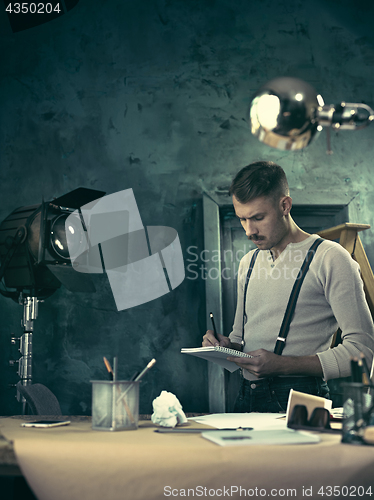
(33, 8)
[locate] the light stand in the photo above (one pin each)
(30, 313)
(35, 261)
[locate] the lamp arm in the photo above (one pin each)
(345, 116)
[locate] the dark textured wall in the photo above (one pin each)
(153, 96)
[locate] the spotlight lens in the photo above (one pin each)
(59, 244)
(59, 237)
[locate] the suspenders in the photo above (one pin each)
(251, 265)
(288, 315)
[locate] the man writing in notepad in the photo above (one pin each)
(331, 295)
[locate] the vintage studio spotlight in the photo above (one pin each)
(35, 261)
(287, 113)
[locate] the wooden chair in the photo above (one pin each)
(348, 237)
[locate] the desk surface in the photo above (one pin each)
(74, 462)
(8, 461)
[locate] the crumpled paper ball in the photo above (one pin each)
(167, 410)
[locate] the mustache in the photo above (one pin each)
(256, 238)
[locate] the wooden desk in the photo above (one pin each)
(8, 461)
(76, 463)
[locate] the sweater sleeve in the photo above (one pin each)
(343, 287)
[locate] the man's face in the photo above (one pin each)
(263, 221)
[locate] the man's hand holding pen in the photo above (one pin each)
(263, 364)
(213, 338)
(210, 339)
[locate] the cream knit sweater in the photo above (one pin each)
(332, 295)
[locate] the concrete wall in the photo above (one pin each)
(153, 96)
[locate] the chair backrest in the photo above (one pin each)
(40, 399)
(349, 239)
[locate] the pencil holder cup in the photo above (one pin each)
(115, 405)
(357, 410)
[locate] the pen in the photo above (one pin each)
(134, 376)
(137, 378)
(214, 326)
(189, 430)
(143, 372)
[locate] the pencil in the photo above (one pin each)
(214, 326)
(109, 368)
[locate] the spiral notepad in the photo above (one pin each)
(217, 354)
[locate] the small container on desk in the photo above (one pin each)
(357, 411)
(115, 405)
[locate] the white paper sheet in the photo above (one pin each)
(259, 421)
(264, 437)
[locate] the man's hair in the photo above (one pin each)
(261, 178)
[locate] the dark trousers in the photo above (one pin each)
(270, 395)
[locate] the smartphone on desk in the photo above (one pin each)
(45, 423)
